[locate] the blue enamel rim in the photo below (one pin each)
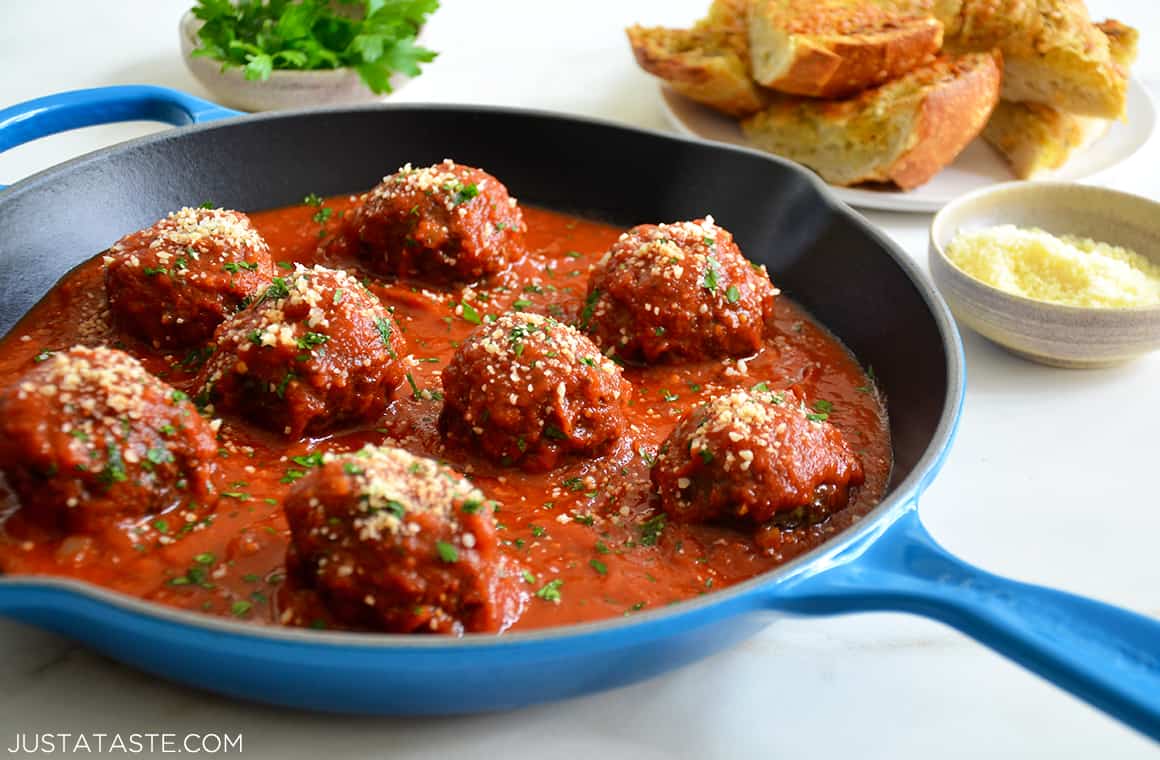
(887, 561)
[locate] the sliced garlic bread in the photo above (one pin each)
(701, 64)
(834, 48)
(1035, 138)
(1052, 52)
(903, 132)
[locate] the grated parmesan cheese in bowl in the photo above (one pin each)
(1067, 269)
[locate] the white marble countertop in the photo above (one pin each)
(1062, 460)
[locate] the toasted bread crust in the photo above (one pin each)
(832, 48)
(1032, 137)
(951, 115)
(701, 64)
(1123, 41)
(1053, 53)
(903, 132)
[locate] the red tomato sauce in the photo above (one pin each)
(585, 524)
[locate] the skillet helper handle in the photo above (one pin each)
(40, 117)
(1105, 655)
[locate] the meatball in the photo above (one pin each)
(173, 283)
(443, 223)
(758, 457)
(88, 438)
(673, 292)
(530, 390)
(398, 543)
(315, 351)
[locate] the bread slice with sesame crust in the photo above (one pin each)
(903, 132)
(835, 48)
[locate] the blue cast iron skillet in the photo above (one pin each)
(843, 270)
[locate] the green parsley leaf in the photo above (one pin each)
(550, 591)
(447, 552)
(470, 314)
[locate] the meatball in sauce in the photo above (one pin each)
(528, 390)
(399, 543)
(172, 284)
(756, 457)
(443, 224)
(88, 438)
(315, 351)
(677, 292)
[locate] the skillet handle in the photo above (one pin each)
(40, 117)
(1105, 655)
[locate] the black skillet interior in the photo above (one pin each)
(817, 252)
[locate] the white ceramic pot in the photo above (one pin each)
(283, 90)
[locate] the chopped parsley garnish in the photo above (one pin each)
(350, 468)
(553, 432)
(161, 526)
(278, 289)
(462, 193)
(233, 267)
(471, 506)
(602, 548)
(114, 470)
(589, 308)
(286, 265)
(574, 484)
(42, 356)
(667, 396)
(598, 566)
(447, 552)
(240, 608)
(521, 304)
(159, 455)
(550, 591)
(281, 389)
(658, 331)
(313, 199)
(538, 531)
(529, 576)
(762, 387)
(470, 314)
(651, 529)
(732, 294)
(706, 456)
(824, 406)
(313, 459)
(710, 281)
(152, 271)
(310, 340)
(817, 417)
(205, 558)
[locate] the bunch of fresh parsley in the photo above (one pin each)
(374, 37)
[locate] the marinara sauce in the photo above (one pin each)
(590, 540)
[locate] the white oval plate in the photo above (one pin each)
(976, 167)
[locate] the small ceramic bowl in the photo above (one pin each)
(284, 89)
(1062, 336)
